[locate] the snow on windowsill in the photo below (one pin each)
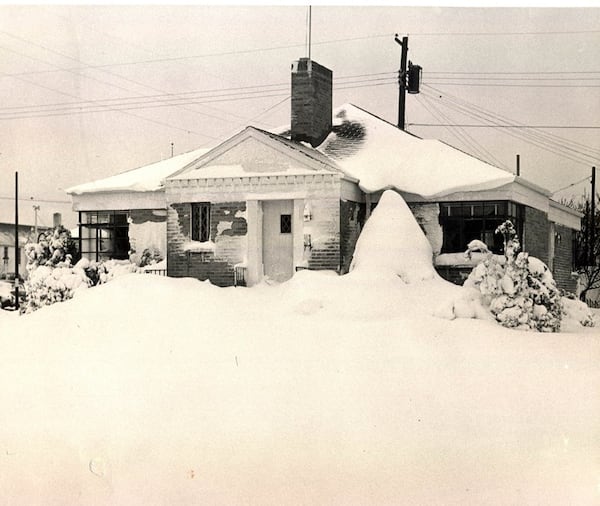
(461, 260)
(197, 246)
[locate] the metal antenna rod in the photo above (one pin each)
(309, 29)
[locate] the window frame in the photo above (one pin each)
(459, 217)
(200, 221)
(111, 225)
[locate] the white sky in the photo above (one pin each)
(545, 61)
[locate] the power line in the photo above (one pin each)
(572, 184)
(541, 140)
(536, 72)
(123, 112)
(464, 136)
(531, 132)
(505, 85)
(513, 78)
(583, 127)
(205, 55)
(295, 46)
(218, 91)
(530, 138)
(153, 104)
(565, 32)
(47, 201)
(109, 72)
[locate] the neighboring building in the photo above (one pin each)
(7, 248)
(263, 205)
(35, 217)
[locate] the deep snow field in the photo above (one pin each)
(322, 390)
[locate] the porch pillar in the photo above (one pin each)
(254, 254)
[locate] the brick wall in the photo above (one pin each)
(352, 220)
(428, 218)
(456, 275)
(535, 233)
(147, 229)
(563, 259)
(228, 231)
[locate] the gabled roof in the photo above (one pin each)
(380, 156)
(143, 179)
(209, 165)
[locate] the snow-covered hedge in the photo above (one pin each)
(52, 277)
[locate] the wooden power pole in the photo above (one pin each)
(402, 81)
(17, 240)
(592, 250)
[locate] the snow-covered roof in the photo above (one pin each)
(143, 179)
(381, 156)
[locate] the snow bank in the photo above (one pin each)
(392, 243)
(173, 391)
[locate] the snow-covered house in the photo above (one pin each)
(126, 213)
(263, 204)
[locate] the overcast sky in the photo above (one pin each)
(92, 91)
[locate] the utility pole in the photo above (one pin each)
(17, 240)
(35, 226)
(402, 81)
(172, 146)
(518, 165)
(592, 250)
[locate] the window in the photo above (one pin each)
(104, 235)
(464, 221)
(201, 221)
(285, 224)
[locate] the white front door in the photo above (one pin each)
(278, 223)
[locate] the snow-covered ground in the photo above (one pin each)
(322, 390)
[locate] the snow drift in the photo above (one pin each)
(392, 243)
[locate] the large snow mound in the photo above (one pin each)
(392, 243)
(150, 390)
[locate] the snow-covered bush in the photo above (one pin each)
(52, 277)
(521, 292)
(578, 311)
(150, 256)
(53, 248)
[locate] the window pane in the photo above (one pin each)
(477, 209)
(286, 224)
(205, 223)
(490, 208)
(473, 230)
(200, 222)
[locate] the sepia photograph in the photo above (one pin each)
(338, 255)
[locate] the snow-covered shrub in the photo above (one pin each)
(53, 248)
(150, 256)
(52, 277)
(578, 311)
(520, 292)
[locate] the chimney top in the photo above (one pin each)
(312, 94)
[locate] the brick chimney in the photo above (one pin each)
(311, 101)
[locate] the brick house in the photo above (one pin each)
(263, 204)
